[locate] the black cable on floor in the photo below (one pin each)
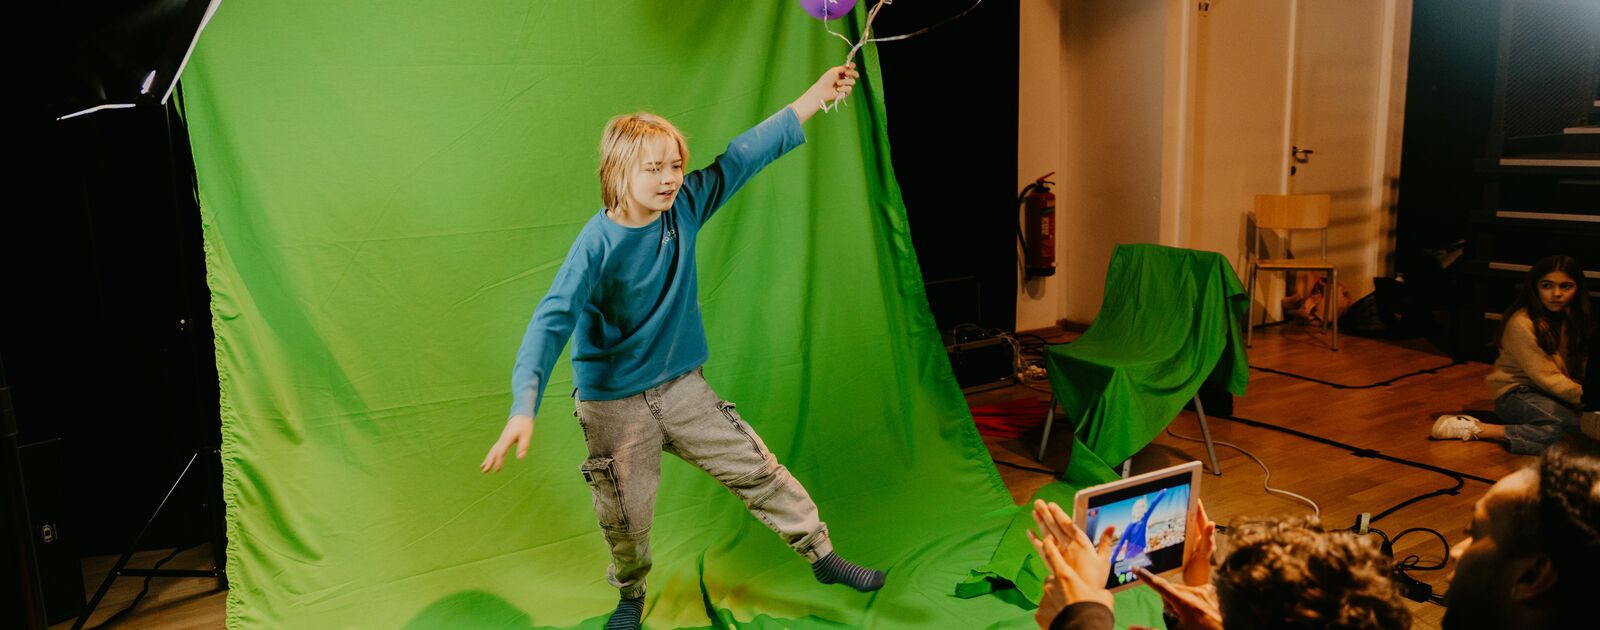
(1459, 477)
(1410, 587)
(142, 592)
(1046, 471)
(1355, 450)
(1383, 383)
(1414, 562)
(1454, 490)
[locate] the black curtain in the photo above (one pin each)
(951, 96)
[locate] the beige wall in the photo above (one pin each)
(1091, 107)
(1155, 119)
(1238, 122)
(1391, 128)
(1039, 138)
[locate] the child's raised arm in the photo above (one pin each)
(836, 83)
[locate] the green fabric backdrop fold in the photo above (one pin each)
(387, 190)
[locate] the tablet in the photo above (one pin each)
(1149, 515)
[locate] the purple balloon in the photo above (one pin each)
(836, 8)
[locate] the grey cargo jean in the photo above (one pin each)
(683, 417)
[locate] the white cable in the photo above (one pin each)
(1264, 482)
(1019, 365)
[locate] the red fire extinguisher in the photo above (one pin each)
(1039, 217)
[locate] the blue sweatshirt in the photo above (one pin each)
(1134, 538)
(631, 293)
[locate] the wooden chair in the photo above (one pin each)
(1169, 322)
(1290, 213)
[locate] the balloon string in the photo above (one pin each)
(920, 31)
(830, 30)
(866, 36)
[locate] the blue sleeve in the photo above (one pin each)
(1159, 496)
(707, 189)
(551, 326)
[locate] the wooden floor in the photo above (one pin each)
(171, 604)
(1393, 419)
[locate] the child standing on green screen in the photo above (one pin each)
(628, 292)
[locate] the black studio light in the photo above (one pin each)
(117, 55)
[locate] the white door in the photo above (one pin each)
(1340, 99)
(1270, 76)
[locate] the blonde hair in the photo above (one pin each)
(624, 137)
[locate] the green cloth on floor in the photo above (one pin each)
(387, 191)
(1016, 574)
(1170, 321)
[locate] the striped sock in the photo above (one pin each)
(835, 570)
(627, 614)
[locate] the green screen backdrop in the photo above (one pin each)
(388, 189)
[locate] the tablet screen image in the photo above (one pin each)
(1148, 517)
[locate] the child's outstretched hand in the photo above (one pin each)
(834, 84)
(518, 431)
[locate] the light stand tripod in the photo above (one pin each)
(208, 466)
(128, 56)
(204, 462)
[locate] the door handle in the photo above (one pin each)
(1300, 155)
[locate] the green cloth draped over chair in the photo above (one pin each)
(1170, 321)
